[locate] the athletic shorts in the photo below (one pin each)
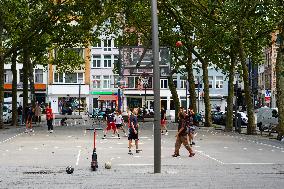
(132, 135)
(118, 125)
(163, 121)
(111, 125)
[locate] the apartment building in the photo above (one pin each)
(70, 90)
(40, 79)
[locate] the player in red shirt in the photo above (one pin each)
(49, 118)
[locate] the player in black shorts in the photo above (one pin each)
(133, 130)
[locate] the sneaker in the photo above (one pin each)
(191, 154)
(167, 133)
(31, 130)
(137, 151)
(175, 155)
(118, 137)
(103, 137)
(192, 143)
(51, 131)
(125, 134)
(130, 153)
(112, 135)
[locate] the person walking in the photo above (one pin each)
(20, 114)
(49, 118)
(118, 119)
(29, 119)
(163, 121)
(133, 130)
(38, 113)
(181, 136)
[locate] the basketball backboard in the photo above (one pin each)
(134, 61)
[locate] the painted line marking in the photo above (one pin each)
(78, 157)
(129, 164)
(249, 163)
(225, 147)
(244, 148)
(208, 156)
(259, 149)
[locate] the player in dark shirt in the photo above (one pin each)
(133, 130)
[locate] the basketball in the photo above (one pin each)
(107, 165)
(178, 44)
(69, 170)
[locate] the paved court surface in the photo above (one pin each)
(223, 160)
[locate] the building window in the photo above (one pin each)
(80, 77)
(107, 61)
(196, 82)
(71, 78)
(210, 78)
(38, 75)
(8, 76)
(58, 77)
(164, 83)
(96, 61)
(97, 44)
(182, 84)
(106, 81)
(131, 82)
(107, 45)
(96, 81)
(219, 82)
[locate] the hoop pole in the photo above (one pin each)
(156, 69)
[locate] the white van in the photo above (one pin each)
(265, 119)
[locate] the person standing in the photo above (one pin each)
(49, 118)
(181, 136)
(133, 130)
(163, 121)
(38, 113)
(110, 124)
(118, 119)
(20, 114)
(29, 118)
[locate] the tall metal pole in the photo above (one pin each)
(156, 71)
(80, 98)
(198, 93)
(186, 93)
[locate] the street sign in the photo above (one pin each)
(267, 96)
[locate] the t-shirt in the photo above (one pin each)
(182, 125)
(49, 114)
(118, 119)
(134, 121)
(163, 112)
(110, 118)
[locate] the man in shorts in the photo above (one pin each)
(29, 119)
(133, 130)
(110, 124)
(163, 121)
(118, 119)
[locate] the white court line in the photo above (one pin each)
(129, 164)
(249, 163)
(78, 157)
(208, 156)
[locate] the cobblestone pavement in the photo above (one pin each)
(223, 160)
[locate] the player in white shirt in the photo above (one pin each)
(118, 119)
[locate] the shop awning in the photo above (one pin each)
(107, 98)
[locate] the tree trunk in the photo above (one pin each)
(1, 76)
(25, 81)
(247, 87)
(31, 80)
(229, 117)
(280, 85)
(189, 69)
(208, 120)
(14, 90)
(174, 96)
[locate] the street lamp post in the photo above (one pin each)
(156, 78)
(145, 85)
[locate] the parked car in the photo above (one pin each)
(217, 117)
(242, 115)
(7, 115)
(266, 118)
